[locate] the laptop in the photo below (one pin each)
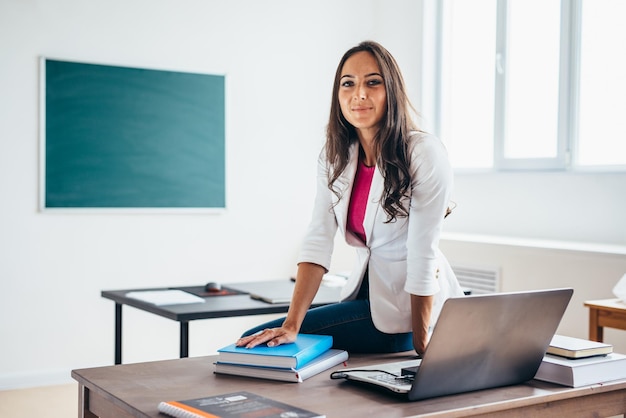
(479, 342)
(280, 291)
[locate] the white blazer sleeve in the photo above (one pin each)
(430, 193)
(319, 240)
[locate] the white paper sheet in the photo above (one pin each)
(165, 297)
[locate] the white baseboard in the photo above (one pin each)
(25, 380)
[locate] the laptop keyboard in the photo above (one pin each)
(395, 380)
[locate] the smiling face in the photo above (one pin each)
(362, 95)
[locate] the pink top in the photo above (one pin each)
(358, 200)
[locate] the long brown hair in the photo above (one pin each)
(391, 141)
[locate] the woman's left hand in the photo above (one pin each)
(421, 307)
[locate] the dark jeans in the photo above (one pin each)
(350, 324)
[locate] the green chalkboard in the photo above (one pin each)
(119, 137)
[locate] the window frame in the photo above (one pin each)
(568, 89)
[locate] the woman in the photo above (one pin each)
(385, 185)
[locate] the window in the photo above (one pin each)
(602, 104)
(534, 84)
(467, 82)
(531, 79)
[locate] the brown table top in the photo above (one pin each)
(138, 388)
(610, 304)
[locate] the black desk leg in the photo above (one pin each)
(184, 339)
(118, 333)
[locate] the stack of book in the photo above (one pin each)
(294, 362)
(576, 362)
(573, 348)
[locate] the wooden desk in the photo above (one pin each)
(134, 390)
(609, 313)
(213, 307)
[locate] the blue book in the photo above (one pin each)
(294, 355)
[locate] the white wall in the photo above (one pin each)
(279, 58)
(569, 206)
(524, 265)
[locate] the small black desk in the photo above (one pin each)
(213, 307)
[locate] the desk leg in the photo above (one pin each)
(83, 403)
(184, 339)
(595, 331)
(118, 333)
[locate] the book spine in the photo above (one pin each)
(310, 354)
(326, 364)
(284, 375)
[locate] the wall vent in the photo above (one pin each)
(479, 280)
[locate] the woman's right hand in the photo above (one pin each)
(308, 281)
(272, 336)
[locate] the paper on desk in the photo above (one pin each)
(165, 297)
(620, 289)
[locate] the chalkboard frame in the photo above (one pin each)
(195, 162)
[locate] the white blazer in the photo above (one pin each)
(403, 256)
